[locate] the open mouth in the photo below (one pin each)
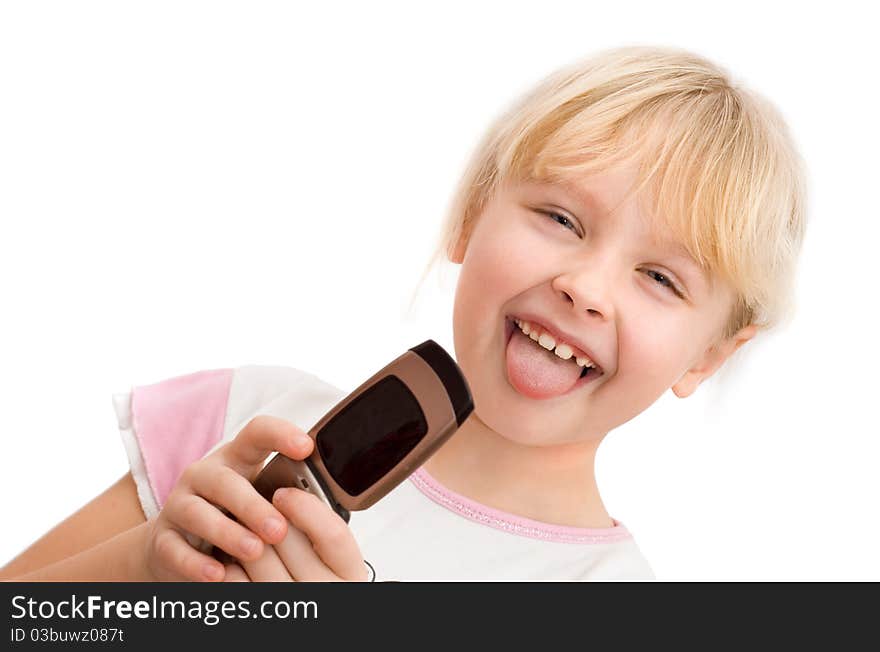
(587, 373)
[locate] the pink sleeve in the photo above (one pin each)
(170, 425)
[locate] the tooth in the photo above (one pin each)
(564, 351)
(547, 341)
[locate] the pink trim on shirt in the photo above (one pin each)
(512, 523)
(176, 422)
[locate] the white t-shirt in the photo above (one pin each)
(420, 531)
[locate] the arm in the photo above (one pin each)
(119, 559)
(115, 511)
(109, 539)
(187, 410)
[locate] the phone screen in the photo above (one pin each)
(368, 438)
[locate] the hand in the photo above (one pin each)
(222, 480)
(318, 547)
(235, 573)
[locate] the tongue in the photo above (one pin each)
(536, 372)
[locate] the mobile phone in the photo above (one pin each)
(378, 435)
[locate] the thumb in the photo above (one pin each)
(265, 434)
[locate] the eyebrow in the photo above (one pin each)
(582, 195)
(674, 249)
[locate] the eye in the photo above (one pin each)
(664, 281)
(563, 220)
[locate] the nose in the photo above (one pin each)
(586, 290)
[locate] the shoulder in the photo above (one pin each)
(622, 561)
(168, 425)
(286, 392)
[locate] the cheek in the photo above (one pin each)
(493, 273)
(501, 248)
(656, 354)
(476, 295)
(497, 266)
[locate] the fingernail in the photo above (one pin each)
(250, 544)
(281, 492)
(212, 572)
(272, 526)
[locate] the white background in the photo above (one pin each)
(201, 185)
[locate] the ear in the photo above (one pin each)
(711, 360)
(460, 247)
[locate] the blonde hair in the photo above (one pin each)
(723, 172)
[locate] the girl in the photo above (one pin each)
(621, 230)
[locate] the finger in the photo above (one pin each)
(330, 536)
(228, 489)
(235, 573)
(174, 553)
(262, 435)
(195, 515)
(268, 568)
(301, 560)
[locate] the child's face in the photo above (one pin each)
(597, 279)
